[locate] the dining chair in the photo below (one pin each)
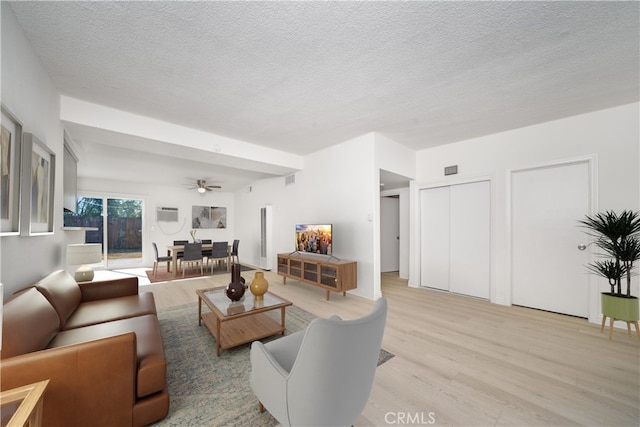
(180, 243)
(159, 259)
(219, 252)
(192, 257)
(234, 252)
(206, 252)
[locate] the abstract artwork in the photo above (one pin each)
(39, 189)
(39, 175)
(10, 154)
(5, 170)
(208, 217)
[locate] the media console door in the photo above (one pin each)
(333, 275)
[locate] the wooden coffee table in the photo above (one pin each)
(236, 323)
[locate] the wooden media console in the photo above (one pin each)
(331, 274)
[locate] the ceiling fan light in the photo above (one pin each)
(201, 190)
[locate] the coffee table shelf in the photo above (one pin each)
(234, 324)
(242, 330)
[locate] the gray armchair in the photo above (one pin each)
(321, 376)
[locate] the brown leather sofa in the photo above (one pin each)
(98, 343)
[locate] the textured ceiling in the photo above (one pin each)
(300, 76)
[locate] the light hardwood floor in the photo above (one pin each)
(466, 362)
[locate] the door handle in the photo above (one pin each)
(582, 247)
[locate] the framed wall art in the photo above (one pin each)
(10, 164)
(39, 166)
(208, 217)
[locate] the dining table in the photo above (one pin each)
(173, 250)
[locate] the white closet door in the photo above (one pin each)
(470, 239)
(434, 239)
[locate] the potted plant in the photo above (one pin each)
(618, 236)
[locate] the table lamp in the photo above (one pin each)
(84, 254)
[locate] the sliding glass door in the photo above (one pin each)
(119, 228)
(124, 232)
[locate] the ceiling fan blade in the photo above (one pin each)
(201, 184)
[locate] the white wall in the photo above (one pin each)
(339, 186)
(394, 157)
(612, 135)
(27, 91)
(163, 233)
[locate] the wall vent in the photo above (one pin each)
(451, 170)
(290, 179)
(167, 214)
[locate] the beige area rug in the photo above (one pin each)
(207, 390)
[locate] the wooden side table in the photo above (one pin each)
(29, 412)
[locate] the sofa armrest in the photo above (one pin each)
(92, 383)
(114, 288)
(268, 380)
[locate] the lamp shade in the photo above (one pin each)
(87, 253)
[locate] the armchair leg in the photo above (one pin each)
(260, 407)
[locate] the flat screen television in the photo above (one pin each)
(314, 238)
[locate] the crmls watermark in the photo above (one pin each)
(410, 418)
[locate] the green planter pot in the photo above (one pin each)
(620, 308)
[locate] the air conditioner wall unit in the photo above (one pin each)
(166, 214)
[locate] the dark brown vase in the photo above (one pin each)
(236, 288)
(235, 275)
(235, 291)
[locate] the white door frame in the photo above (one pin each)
(592, 165)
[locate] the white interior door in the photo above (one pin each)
(434, 238)
(547, 268)
(470, 237)
(389, 234)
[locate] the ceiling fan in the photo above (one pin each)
(202, 187)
